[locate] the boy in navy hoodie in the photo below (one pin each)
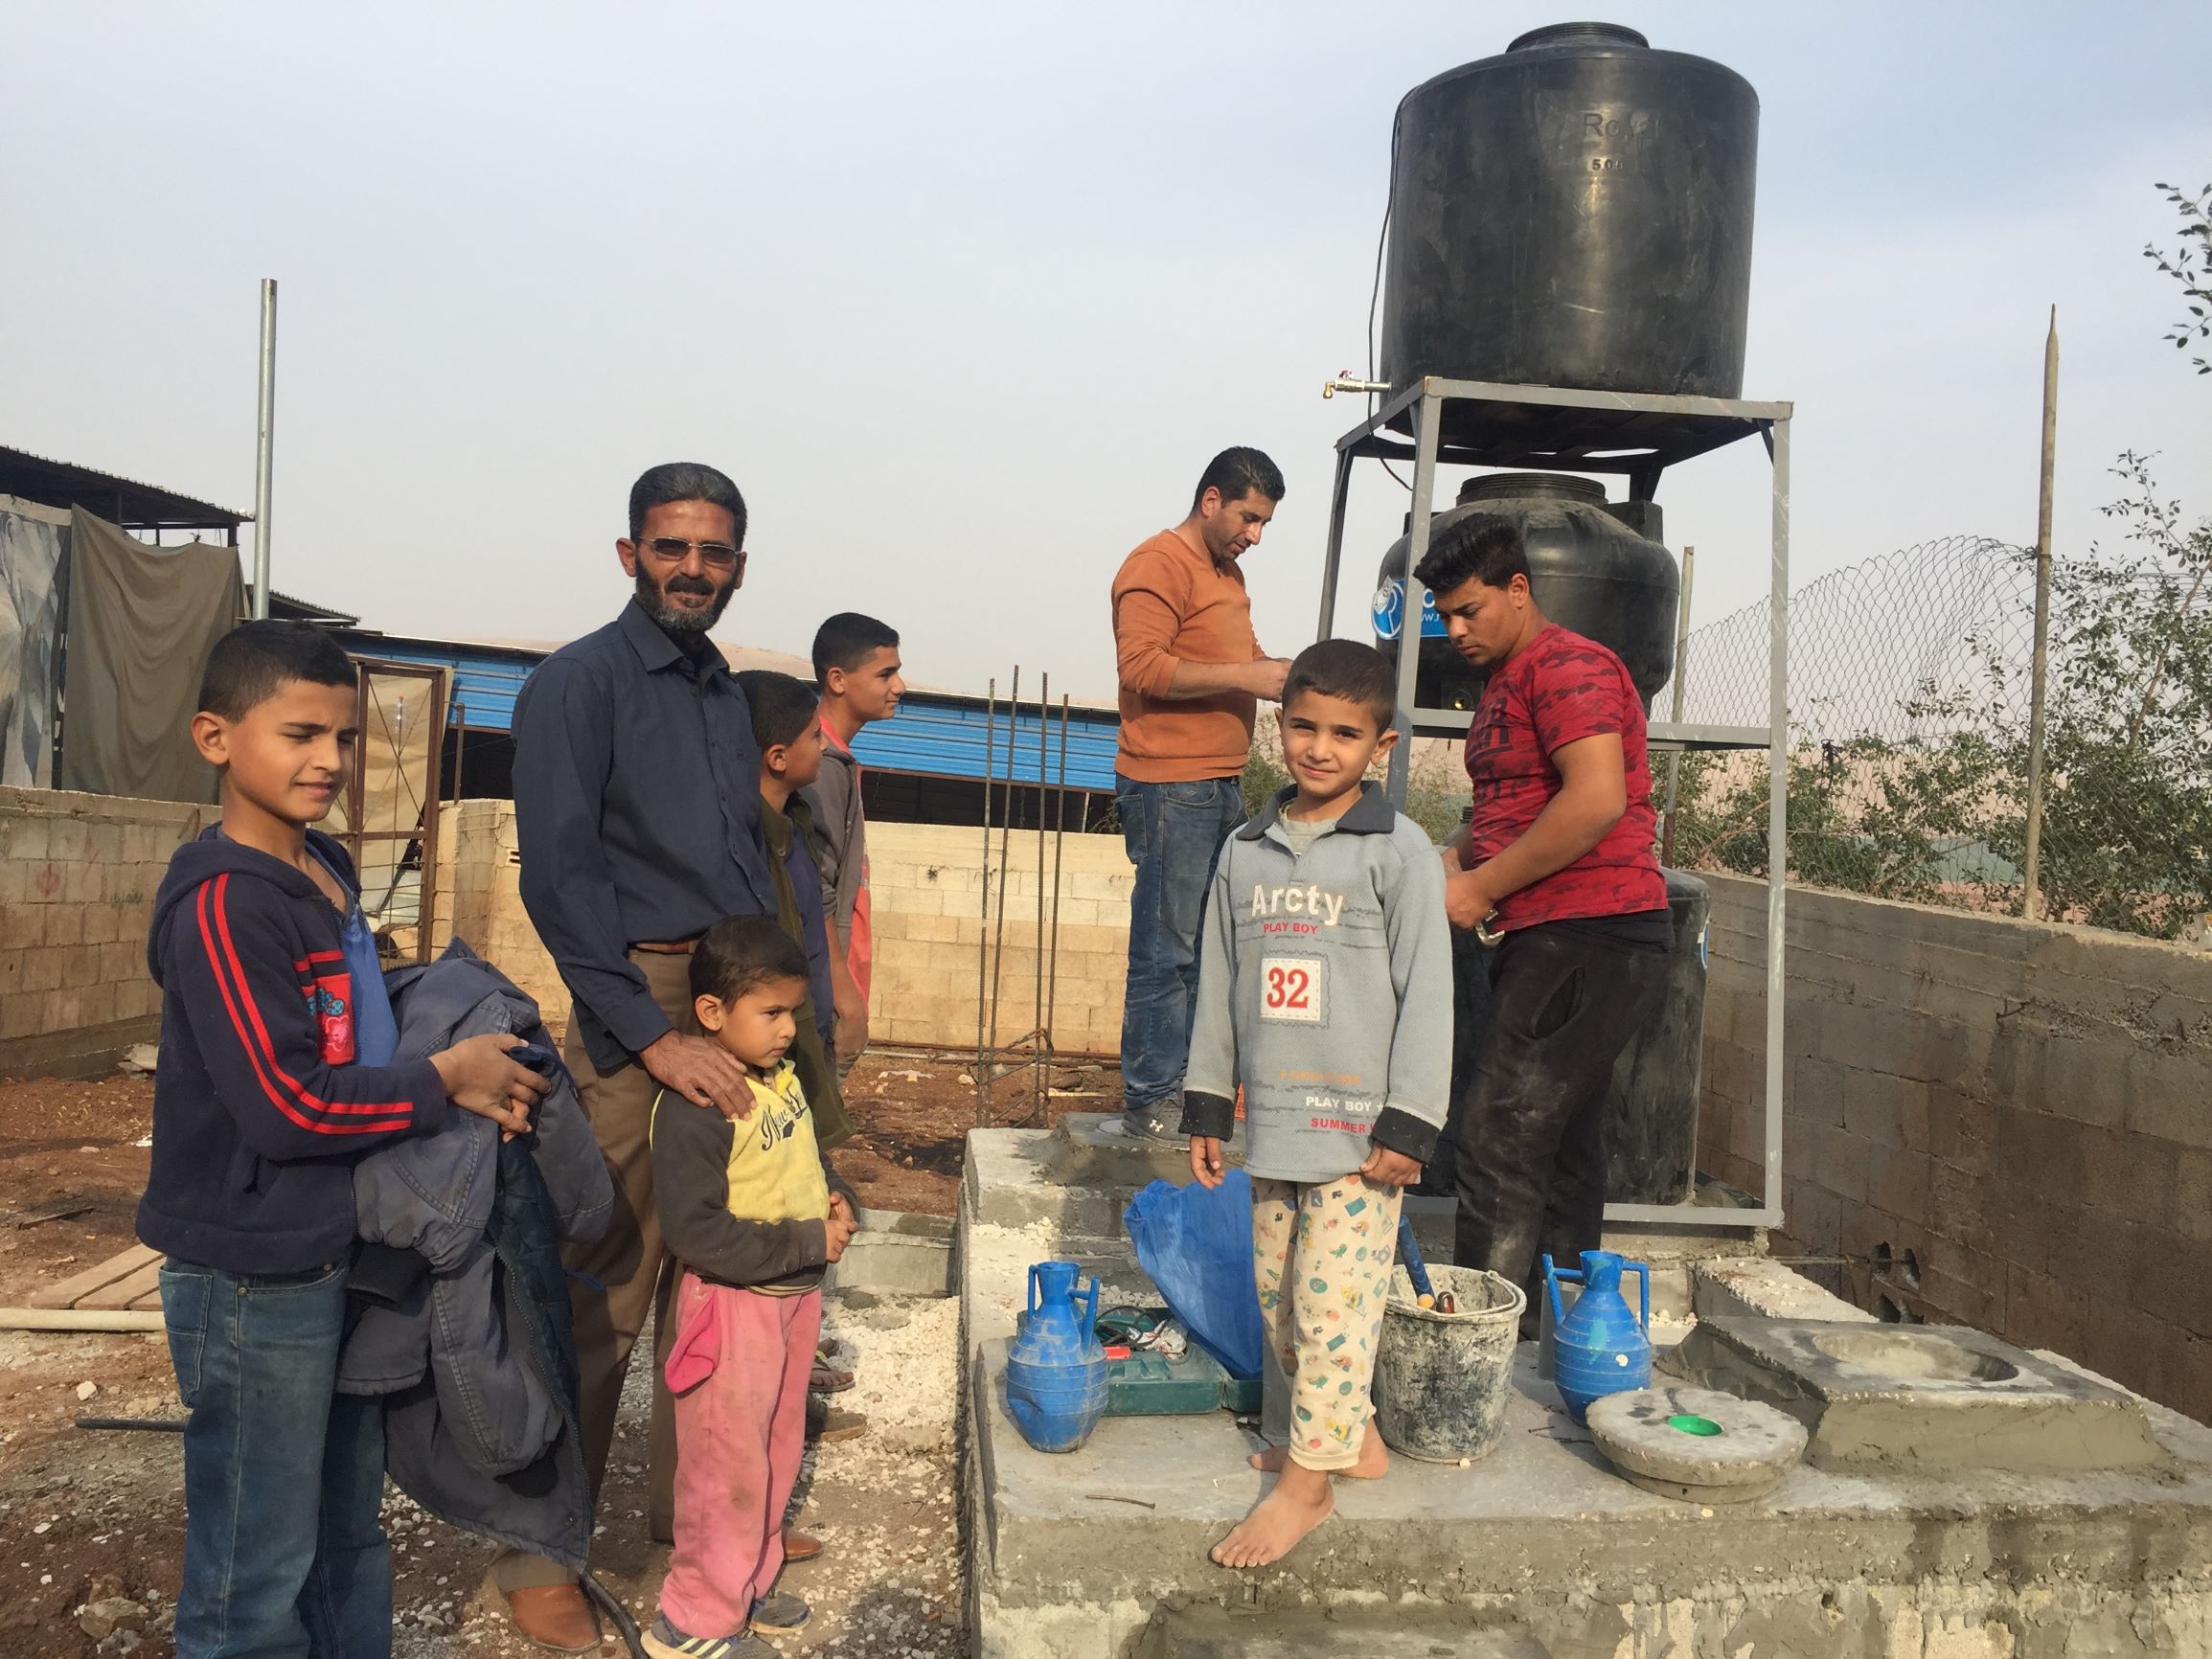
(276, 1074)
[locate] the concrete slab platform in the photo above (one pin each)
(1243, 1633)
(1920, 1397)
(1095, 1554)
(897, 1254)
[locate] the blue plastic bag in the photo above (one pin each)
(1197, 1247)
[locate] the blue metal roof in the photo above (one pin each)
(485, 678)
(935, 734)
(944, 737)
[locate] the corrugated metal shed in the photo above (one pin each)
(936, 734)
(487, 679)
(941, 735)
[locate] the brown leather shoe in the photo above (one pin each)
(827, 1425)
(556, 1616)
(800, 1546)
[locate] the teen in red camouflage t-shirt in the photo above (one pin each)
(1557, 689)
(1558, 857)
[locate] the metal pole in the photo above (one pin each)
(426, 890)
(1428, 417)
(1335, 556)
(1777, 814)
(1681, 674)
(2031, 885)
(1005, 836)
(983, 926)
(265, 444)
(1059, 844)
(1037, 1029)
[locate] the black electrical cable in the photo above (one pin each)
(1374, 292)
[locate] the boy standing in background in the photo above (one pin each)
(857, 665)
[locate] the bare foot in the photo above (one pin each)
(1373, 1465)
(1300, 1501)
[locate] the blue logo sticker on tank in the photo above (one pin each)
(1389, 612)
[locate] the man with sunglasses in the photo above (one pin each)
(637, 808)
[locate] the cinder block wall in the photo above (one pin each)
(2026, 1108)
(926, 882)
(927, 886)
(78, 876)
(480, 899)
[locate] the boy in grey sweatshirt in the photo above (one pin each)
(1325, 991)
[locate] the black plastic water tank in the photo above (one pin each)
(1574, 211)
(1588, 570)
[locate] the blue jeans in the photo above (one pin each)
(1173, 833)
(278, 1563)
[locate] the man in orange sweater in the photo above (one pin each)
(1191, 675)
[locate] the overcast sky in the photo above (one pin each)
(964, 296)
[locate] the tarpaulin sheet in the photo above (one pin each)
(141, 621)
(31, 554)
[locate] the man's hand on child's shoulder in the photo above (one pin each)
(702, 1072)
(1206, 1160)
(479, 1078)
(1387, 1168)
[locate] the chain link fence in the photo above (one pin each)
(1910, 737)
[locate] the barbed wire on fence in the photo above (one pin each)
(1908, 696)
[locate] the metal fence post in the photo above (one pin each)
(2031, 883)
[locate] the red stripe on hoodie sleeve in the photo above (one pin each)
(305, 1109)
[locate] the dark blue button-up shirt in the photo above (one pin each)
(637, 808)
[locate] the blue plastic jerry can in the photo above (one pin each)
(1602, 1347)
(1056, 1371)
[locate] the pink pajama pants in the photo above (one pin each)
(740, 1433)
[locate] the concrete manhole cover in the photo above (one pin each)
(1697, 1445)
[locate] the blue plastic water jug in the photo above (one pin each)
(1056, 1372)
(1601, 1347)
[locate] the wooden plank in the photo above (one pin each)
(150, 1301)
(65, 1294)
(126, 1292)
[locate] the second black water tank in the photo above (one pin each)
(1574, 211)
(1588, 570)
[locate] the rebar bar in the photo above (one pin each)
(1059, 842)
(1038, 1044)
(1005, 836)
(983, 926)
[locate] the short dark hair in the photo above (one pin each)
(1346, 669)
(783, 706)
(742, 953)
(1480, 547)
(685, 481)
(846, 640)
(257, 659)
(1237, 472)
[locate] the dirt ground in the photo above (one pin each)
(88, 1517)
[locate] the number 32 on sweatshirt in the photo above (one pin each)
(1293, 990)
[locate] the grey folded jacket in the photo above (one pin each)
(433, 1196)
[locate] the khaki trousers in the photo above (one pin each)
(633, 1264)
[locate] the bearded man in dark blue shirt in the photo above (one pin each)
(637, 808)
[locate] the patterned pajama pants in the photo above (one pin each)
(1321, 1255)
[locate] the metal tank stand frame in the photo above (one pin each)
(1638, 435)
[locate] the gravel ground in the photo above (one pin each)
(99, 1519)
